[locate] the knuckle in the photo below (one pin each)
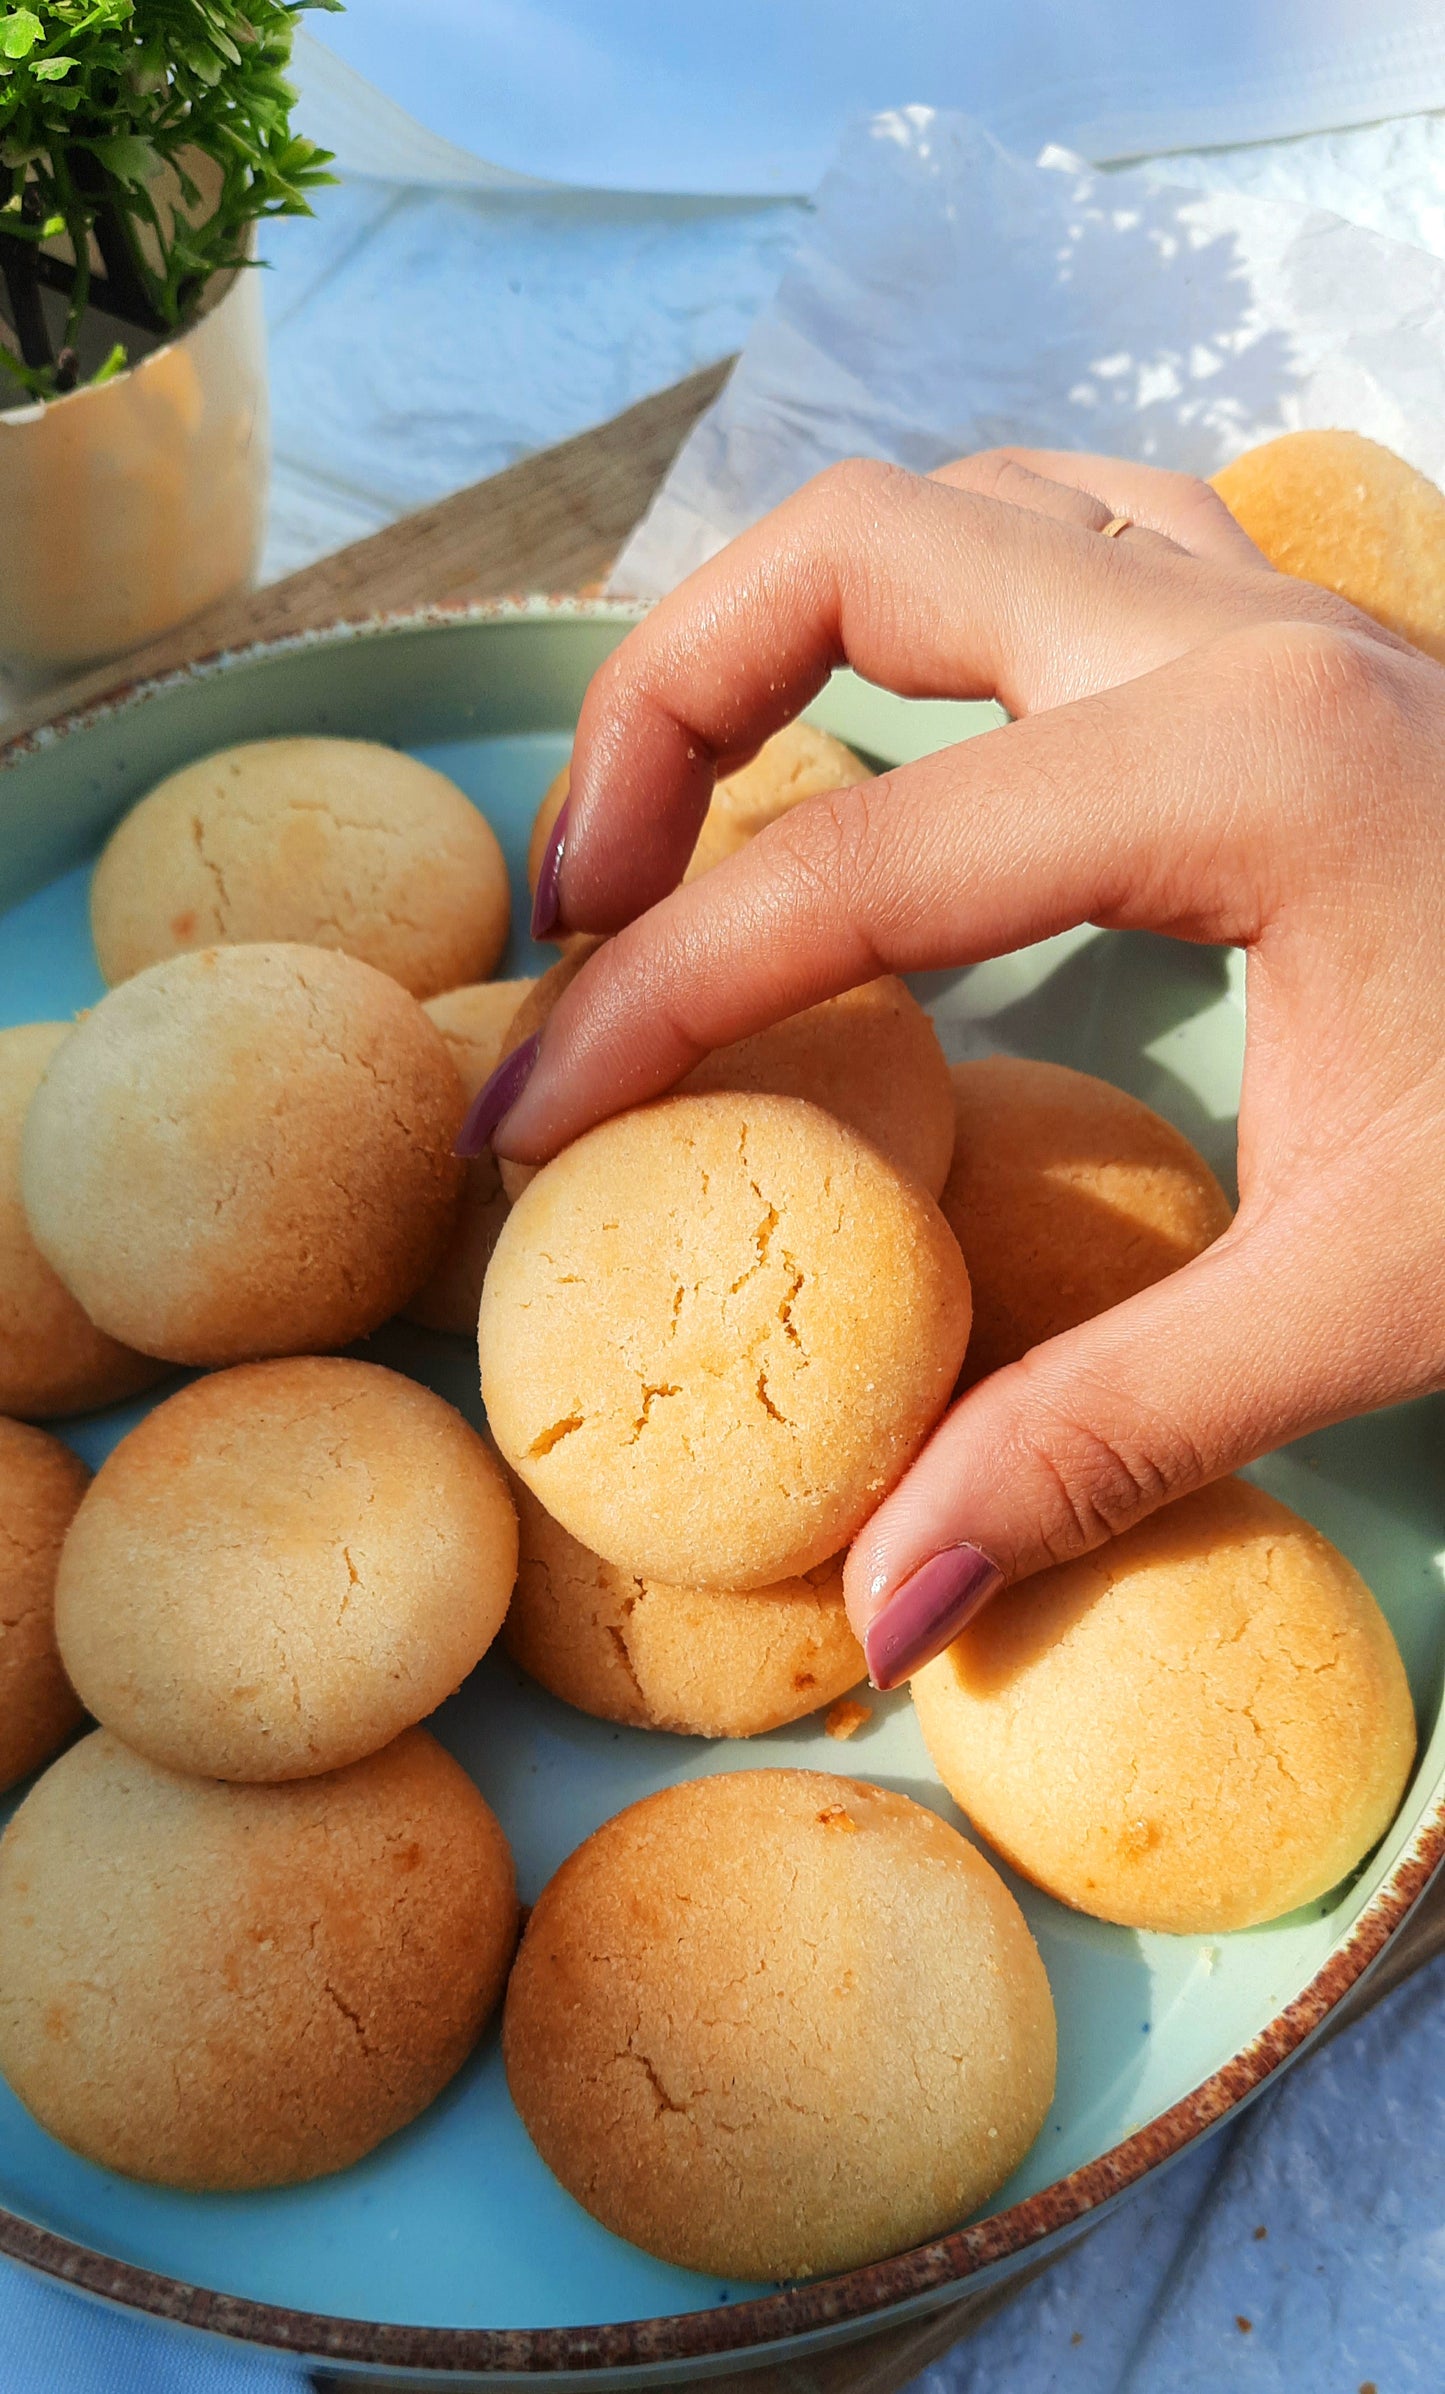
(1093, 1483)
(830, 845)
(856, 486)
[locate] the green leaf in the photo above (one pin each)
(19, 32)
(115, 364)
(128, 157)
(50, 70)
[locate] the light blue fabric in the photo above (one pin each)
(55, 2342)
(1342, 2167)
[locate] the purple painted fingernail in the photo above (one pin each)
(547, 903)
(926, 1614)
(497, 1097)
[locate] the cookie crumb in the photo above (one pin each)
(846, 1717)
(1260, 2235)
(1244, 2325)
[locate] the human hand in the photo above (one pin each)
(1200, 747)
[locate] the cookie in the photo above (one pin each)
(228, 1987)
(1067, 1196)
(714, 1334)
(1195, 1728)
(284, 1566)
(474, 1023)
(777, 2022)
(41, 1483)
(796, 763)
(871, 1058)
(53, 1359)
(1337, 509)
(245, 1152)
(700, 1662)
(330, 843)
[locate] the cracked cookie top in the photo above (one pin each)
(245, 1152)
(714, 1333)
(1197, 1727)
(338, 843)
(777, 2022)
(283, 1566)
(216, 1986)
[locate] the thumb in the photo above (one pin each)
(1227, 1358)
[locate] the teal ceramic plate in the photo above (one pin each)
(451, 2249)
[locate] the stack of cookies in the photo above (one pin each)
(257, 1918)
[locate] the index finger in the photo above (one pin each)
(928, 590)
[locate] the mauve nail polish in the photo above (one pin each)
(547, 902)
(497, 1097)
(926, 1614)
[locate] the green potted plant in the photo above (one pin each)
(141, 141)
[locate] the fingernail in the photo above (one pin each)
(497, 1097)
(547, 902)
(926, 1614)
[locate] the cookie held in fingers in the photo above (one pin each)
(245, 1152)
(714, 1334)
(217, 1987)
(1067, 1195)
(870, 1058)
(798, 762)
(335, 843)
(474, 1022)
(1195, 1728)
(702, 1662)
(774, 2023)
(53, 1360)
(284, 1566)
(41, 1483)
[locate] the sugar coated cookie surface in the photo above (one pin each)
(1067, 1196)
(474, 1023)
(700, 1661)
(283, 1566)
(1195, 1728)
(796, 763)
(53, 1359)
(41, 1483)
(715, 1332)
(245, 1152)
(777, 2022)
(1343, 511)
(214, 1986)
(335, 843)
(871, 1057)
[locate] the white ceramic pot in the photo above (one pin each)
(128, 506)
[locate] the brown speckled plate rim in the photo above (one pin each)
(861, 2296)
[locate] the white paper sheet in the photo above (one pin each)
(949, 295)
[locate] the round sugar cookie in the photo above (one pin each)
(474, 1023)
(715, 1332)
(798, 762)
(227, 1987)
(52, 1357)
(245, 1152)
(284, 1566)
(333, 843)
(701, 1662)
(1343, 511)
(41, 1483)
(871, 1058)
(1195, 1728)
(1067, 1196)
(776, 2022)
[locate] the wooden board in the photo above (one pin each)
(555, 523)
